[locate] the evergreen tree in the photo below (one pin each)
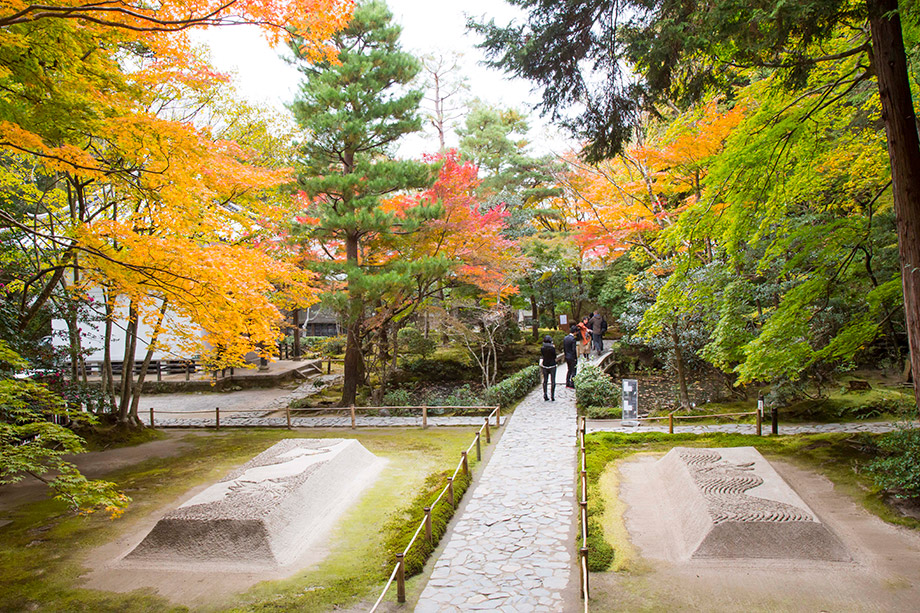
(354, 110)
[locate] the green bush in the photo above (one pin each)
(396, 398)
(333, 345)
(604, 412)
(416, 343)
(898, 471)
(441, 369)
(593, 388)
(508, 391)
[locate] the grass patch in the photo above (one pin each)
(841, 457)
(41, 551)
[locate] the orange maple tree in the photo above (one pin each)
(627, 201)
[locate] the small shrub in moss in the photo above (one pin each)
(401, 528)
(604, 412)
(508, 391)
(440, 369)
(416, 343)
(593, 388)
(898, 471)
(396, 398)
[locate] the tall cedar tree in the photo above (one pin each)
(579, 50)
(354, 110)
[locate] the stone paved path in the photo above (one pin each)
(513, 548)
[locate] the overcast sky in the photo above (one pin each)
(430, 26)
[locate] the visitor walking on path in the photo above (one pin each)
(598, 326)
(548, 365)
(570, 349)
(585, 337)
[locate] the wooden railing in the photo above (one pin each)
(583, 505)
(352, 410)
(399, 571)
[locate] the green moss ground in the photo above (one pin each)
(839, 457)
(41, 550)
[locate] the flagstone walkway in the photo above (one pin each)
(513, 548)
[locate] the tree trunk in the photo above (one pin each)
(890, 64)
(139, 386)
(108, 378)
(535, 317)
(353, 329)
(681, 371)
(127, 365)
(296, 334)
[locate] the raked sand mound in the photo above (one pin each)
(730, 503)
(265, 513)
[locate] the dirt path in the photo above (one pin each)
(883, 576)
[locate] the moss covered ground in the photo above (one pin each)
(41, 551)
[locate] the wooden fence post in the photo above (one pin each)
(584, 566)
(670, 423)
(498, 416)
(759, 423)
(424, 416)
(428, 525)
(151, 417)
(488, 435)
(217, 417)
(354, 423)
(450, 490)
(287, 410)
(478, 447)
(466, 464)
(400, 578)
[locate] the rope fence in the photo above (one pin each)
(352, 411)
(583, 504)
(399, 572)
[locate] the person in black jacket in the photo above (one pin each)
(548, 365)
(570, 349)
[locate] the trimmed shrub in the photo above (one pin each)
(333, 345)
(593, 388)
(508, 391)
(898, 471)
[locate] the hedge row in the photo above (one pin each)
(508, 391)
(403, 526)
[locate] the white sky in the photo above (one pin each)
(432, 26)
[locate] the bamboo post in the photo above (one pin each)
(424, 416)
(584, 583)
(670, 423)
(400, 578)
(450, 490)
(584, 484)
(151, 417)
(584, 517)
(466, 464)
(498, 415)
(287, 410)
(217, 417)
(478, 447)
(488, 435)
(759, 423)
(354, 422)
(428, 524)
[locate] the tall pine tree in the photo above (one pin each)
(355, 110)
